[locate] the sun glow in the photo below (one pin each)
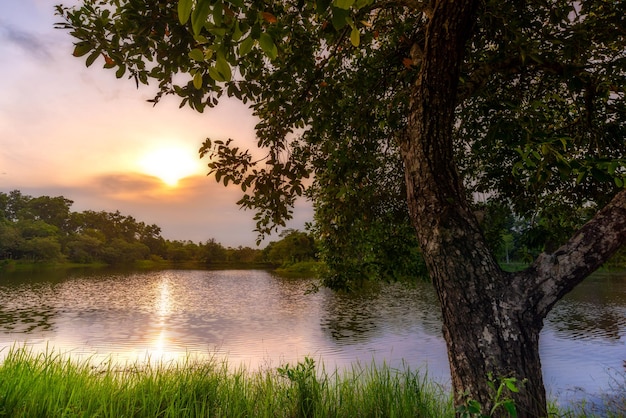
(170, 164)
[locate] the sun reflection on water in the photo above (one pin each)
(165, 302)
(158, 348)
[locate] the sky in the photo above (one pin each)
(78, 132)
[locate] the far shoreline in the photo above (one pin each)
(301, 269)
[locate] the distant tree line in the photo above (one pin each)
(44, 229)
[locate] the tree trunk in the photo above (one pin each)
(491, 319)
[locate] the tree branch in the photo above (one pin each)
(586, 251)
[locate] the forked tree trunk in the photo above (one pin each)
(491, 319)
(490, 328)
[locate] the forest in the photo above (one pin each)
(44, 229)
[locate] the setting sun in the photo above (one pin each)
(170, 164)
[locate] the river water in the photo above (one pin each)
(256, 319)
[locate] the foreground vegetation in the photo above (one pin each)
(51, 385)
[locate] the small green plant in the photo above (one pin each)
(506, 385)
(470, 409)
(306, 386)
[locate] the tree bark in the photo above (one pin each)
(491, 319)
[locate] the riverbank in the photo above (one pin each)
(51, 385)
(297, 270)
(304, 269)
(13, 266)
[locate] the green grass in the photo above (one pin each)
(51, 385)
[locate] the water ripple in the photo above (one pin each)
(258, 319)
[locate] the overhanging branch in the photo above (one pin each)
(585, 252)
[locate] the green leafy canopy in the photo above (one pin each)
(540, 119)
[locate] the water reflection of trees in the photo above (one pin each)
(595, 310)
(26, 320)
(25, 308)
(390, 308)
(588, 321)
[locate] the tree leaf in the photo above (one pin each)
(91, 58)
(196, 54)
(511, 384)
(321, 6)
(343, 4)
(339, 18)
(223, 67)
(267, 45)
(237, 33)
(199, 15)
(474, 407)
(197, 81)
(184, 10)
(216, 75)
(268, 17)
(355, 37)
(510, 408)
(218, 32)
(82, 48)
(218, 13)
(246, 46)
(120, 71)
(201, 40)
(108, 61)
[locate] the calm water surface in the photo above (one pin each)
(257, 319)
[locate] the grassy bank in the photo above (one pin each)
(49, 385)
(17, 266)
(12, 266)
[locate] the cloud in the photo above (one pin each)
(198, 209)
(33, 45)
(126, 186)
(142, 187)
